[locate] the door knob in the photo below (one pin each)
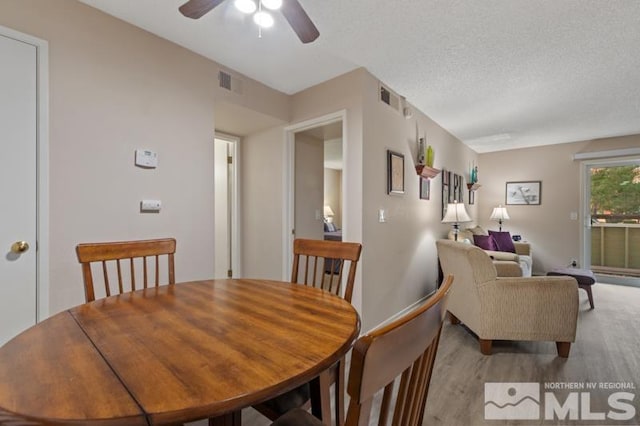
(20, 247)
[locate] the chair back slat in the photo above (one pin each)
(323, 262)
(157, 269)
(377, 361)
(106, 278)
(144, 252)
(133, 274)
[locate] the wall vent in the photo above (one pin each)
(390, 98)
(225, 80)
(229, 82)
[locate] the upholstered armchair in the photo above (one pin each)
(508, 308)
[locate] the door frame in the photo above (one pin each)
(235, 202)
(585, 235)
(42, 168)
(289, 183)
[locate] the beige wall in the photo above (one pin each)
(342, 93)
(554, 236)
(398, 264)
(401, 259)
(262, 165)
(115, 88)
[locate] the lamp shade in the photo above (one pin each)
(456, 213)
(328, 211)
(499, 213)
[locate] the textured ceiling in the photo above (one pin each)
(497, 74)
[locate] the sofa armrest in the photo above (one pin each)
(523, 249)
(536, 308)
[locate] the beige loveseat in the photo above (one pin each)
(518, 264)
(510, 308)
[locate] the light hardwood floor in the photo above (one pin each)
(607, 349)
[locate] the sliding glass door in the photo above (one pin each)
(612, 220)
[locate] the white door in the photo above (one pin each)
(222, 263)
(227, 247)
(18, 150)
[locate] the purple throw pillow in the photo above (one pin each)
(503, 241)
(485, 242)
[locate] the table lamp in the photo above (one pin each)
(499, 213)
(456, 214)
(328, 213)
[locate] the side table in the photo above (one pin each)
(585, 278)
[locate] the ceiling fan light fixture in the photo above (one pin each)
(245, 6)
(272, 4)
(263, 19)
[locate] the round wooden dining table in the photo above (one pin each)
(174, 353)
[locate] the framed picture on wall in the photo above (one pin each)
(456, 192)
(524, 193)
(446, 180)
(425, 189)
(395, 173)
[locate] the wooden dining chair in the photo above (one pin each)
(404, 348)
(320, 264)
(112, 255)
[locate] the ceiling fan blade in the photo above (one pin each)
(299, 21)
(196, 8)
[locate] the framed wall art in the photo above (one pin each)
(446, 179)
(425, 189)
(523, 193)
(456, 193)
(395, 173)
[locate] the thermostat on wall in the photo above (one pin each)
(146, 158)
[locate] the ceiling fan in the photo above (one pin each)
(291, 9)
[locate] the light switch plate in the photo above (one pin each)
(382, 215)
(150, 206)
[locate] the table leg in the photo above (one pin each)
(229, 419)
(321, 398)
(587, 288)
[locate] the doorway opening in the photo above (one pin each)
(315, 182)
(612, 215)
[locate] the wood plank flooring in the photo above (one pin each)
(607, 349)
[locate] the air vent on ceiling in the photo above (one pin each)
(390, 98)
(229, 82)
